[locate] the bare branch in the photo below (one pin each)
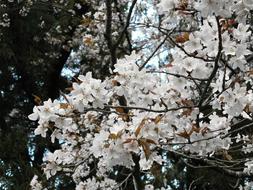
(154, 52)
(216, 63)
(126, 25)
(108, 33)
(178, 75)
(151, 110)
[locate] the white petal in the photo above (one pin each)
(33, 116)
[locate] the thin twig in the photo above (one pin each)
(154, 52)
(151, 110)
(126, 25)
(108, 32)
(178, 75)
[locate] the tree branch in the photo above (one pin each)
(126, 25)
(108, 32)
(216, 63)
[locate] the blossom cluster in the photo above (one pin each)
(194, 109)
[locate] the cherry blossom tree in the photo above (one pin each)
(39, 39)
(197, 106)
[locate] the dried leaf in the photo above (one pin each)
(182, 38)
(247, 108)
(187, 102)
(69, 89)
(64, 105)
(115, 83)
(184, 134)
(88, 41)
(128, 140)
(113, 136)
(146, 147)
(195, 128)
(120, 110)
(187, 112)
(151, 141)
(204, 130)
(183, 4)
(227, 156)
(138, 130)
(123, 114)
(250, 72)
(158, 118)
(86, 21)
(37, 99)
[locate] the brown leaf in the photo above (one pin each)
(113, 136)
(64, 105)
(69, 89)
(146, 147)
(128, 140)
(247, 108)
(120, 110)
(183, 4)
(195, 128)
(138, 130)
(86, 21)
(182, 38)
(88, 41)
(37, 100)
(150, 141)
(187, 102)
(250, 72)
(187, 112)
(204, 130)
(123, 114)
(227, 156)
(115, 83)
(184, 134)
(158, 118)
